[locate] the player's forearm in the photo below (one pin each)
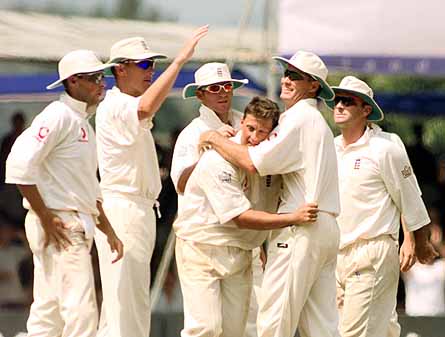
(104, 224)
(234, 153)
(259, 220)
(156, 94)
(185, 175)
(32, 194)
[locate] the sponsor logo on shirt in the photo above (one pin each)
(83, 135)
(42, 134)
(407, 171)
(357, 164)
(225, 177)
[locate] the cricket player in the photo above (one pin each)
(218, 228)
(214, 87)
(54, 164)
(377, 188)
(130, 179)
(299, 280)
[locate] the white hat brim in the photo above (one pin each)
(376, 114)
(143, 56)
(90, 70)
(326, 92)
(189, 90)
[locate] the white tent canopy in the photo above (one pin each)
(397, 36)
(41, 37)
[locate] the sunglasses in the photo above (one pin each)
(92, 77)
(296, 76)
(216, 88)
(144, 64)
(345, 100)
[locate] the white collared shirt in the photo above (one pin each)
(217, 192)
(128, 162)
(301, 149)
(58, 154)
(376, 185)
(186, 148)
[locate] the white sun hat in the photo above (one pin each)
(359, 88)
(78, 62)
(133, 48)
(211, 73)
(312, 65)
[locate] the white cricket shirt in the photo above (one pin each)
(377, 183)
(128, 163)
(216, 193)
(301, 149)
(58, 154)
(186, 148)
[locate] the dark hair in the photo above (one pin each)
(263, 108)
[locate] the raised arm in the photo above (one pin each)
(156, 94)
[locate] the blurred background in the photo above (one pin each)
(397, 47)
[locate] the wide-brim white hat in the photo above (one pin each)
(133, 48)
(78, 62)
(357, 87)
(211, 73)
(312, 65)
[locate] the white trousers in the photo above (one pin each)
(216, 285)
(125, 308)
(298, 288)
(64, 295)
(257, 270)
(367, 279)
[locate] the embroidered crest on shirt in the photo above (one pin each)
(357, 164)
(83, 135)
(43, 132)
(407, 171)
(225, 177)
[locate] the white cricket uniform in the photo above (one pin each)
(57, 153)
(377, 185)
(186, 151)
(299, 280)
(214, 256)
(130, 184)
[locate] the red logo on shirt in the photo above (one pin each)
(83, 135)
(357, 164)
(42, 134)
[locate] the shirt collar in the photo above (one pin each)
(307, 101)
(371, 130)
(211, 118)
(77, 106)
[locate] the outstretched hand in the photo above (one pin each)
(189, 48)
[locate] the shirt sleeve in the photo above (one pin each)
(222, 184)
(401, 183)
(33, 146)
(280, 154)
(185, 154)
(125, 111)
